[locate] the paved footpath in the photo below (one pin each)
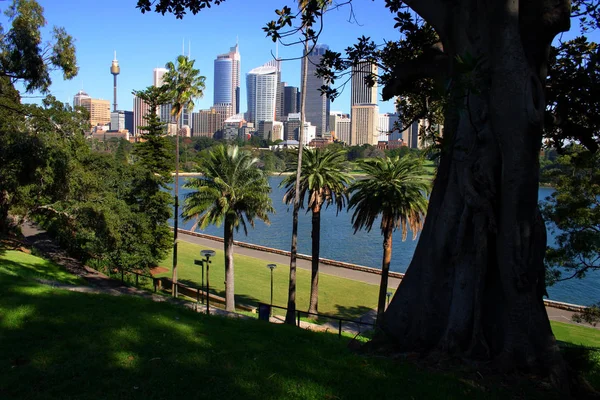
(554, 314)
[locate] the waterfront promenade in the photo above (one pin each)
(555, 314)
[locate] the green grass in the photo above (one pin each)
(16, 263)
(575, 334)
(337, 296)
(56, 344)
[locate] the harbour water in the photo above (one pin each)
(339, 242)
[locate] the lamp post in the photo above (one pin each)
(271, 267)
(388, 294)
(201, 264)
(208, 254)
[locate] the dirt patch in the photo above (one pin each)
(158, 270)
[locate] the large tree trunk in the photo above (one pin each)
(385, 270)
(229, 275)
(313, 306)
(475, 284)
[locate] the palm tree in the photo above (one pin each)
(306, 7)
(232, 190)
(396, 190)
(183, 84)
(324, 177)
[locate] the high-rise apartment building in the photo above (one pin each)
(364, 124)
(227, 79)
(99, 110)
(206, 123)
(317, 106)
(261, 85)
(140, 111)
(386, 127)
(121, 120)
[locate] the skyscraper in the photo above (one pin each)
(363, 126)
(99, 110)
(364, 110)
(361, 92)
(317, 106)
(385, 127)
(290, 100)
(227, 79)
(140, 110)
(79, 97)
(261, 85)
(157, 76)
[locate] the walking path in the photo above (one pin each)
(100, 283)
(554, 314)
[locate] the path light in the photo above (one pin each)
(208, 254)
(271, 267)
(388, 294)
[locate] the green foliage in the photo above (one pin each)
(323, 177)
(23, 55)
(394, 189)
(574, 211)
(232, 186)
(155, 151)
(182, 84)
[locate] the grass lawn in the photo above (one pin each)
(56, 344)
(337, 296)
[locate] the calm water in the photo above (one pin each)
(338, 242)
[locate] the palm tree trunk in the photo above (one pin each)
(176, 212)
(229, 276)
(291, 306)
(316, 250)
(385, 269)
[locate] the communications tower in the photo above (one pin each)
(115, 70)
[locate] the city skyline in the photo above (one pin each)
(144, 42)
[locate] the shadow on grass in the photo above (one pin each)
(59, 345)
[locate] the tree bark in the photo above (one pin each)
(313, 306)
(229, 275)
(385, 270)
(476, 281)
(176, 211)
(291, 306)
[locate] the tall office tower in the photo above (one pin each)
(362, 93)
(157, 76)
(364, 124)
(140, 110)
(99, 110)
(115, 70)
(79, 97)
(290, 100)
(261, 85)
(410, 136)
(227, 79)
(317, 106)
(279, 99)
(386, 127)
(339, 124)
(364, 110)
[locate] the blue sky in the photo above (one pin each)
(146, 41)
